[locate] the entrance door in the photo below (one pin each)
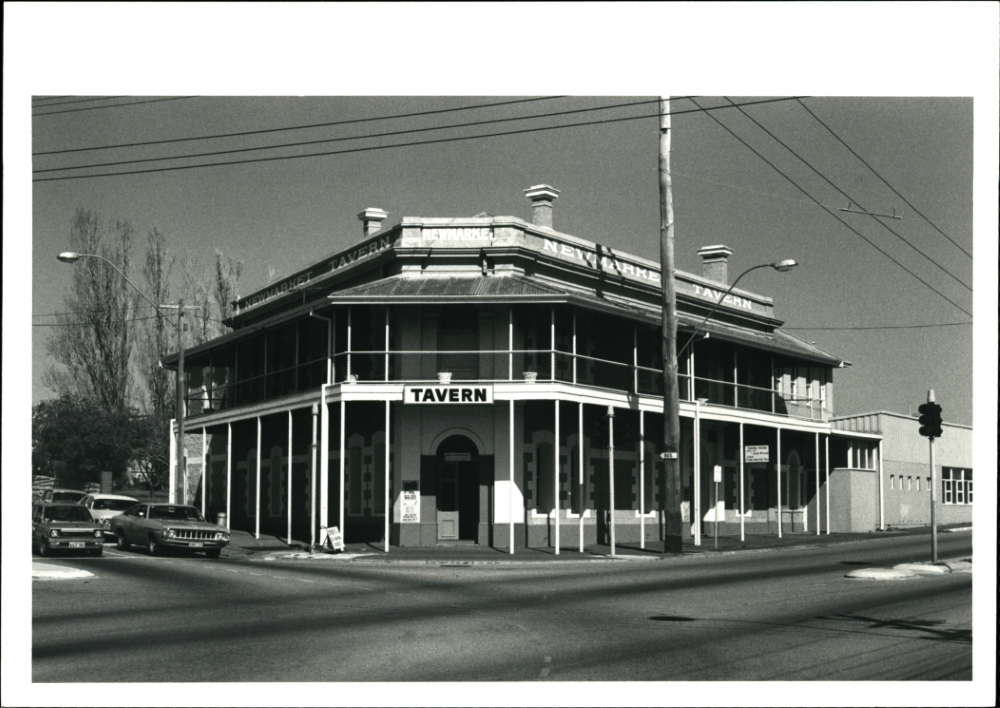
(458, 490)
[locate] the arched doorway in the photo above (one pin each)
(457, 489)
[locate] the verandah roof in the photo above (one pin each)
(511, 289)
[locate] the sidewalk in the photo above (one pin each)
(47, 571)
(244, 545)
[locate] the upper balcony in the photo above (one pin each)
(423, 344)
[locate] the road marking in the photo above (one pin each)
(547, 660)
(544, 673)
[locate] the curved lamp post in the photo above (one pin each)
(71, 257)
(780, 266)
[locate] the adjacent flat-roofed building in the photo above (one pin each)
(449, 380)
(881, 473)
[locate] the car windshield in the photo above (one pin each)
(67, 513)
(113, 504)
(180, 513)
(67, 496)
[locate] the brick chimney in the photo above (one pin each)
(541, 196)
(372, 220)
(715, 263)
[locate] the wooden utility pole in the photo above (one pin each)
(671, 406)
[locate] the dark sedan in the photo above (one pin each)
(64, 527)
(160, 527)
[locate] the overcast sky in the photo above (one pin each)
(924, 117)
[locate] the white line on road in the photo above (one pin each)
(544, 673)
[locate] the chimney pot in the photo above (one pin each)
(371, 219)
(541, 196)
(715, 263)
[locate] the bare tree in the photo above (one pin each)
(157, 340)
(92, 348)
(227, 279)
(197, 288)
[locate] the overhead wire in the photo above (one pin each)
(77, 100)
(848, 226)
(397, 145)
(848, 196)
(300, 127)
(97, 322)
(387, 134)
(117, 105)
(883, 327)
(884, 181)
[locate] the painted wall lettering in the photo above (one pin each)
(623, 268)
(457, 234)
(714, 295)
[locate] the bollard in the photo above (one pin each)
(222, 519)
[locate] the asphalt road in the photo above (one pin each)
(779, 615)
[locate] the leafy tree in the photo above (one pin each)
(74, 439)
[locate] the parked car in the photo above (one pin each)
(63, 496)
(103, 507)
(64, 527)
(160, 527)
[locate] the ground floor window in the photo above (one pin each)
(956, 485)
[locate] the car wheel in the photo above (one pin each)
(213, 552)
(43, 549)
(121, 542)
(154, 546)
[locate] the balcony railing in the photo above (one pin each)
(492, 366)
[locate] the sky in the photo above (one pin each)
(280, 215)
(911, 88)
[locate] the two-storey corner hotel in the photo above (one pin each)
(491, 380)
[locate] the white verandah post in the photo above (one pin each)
(555, 475)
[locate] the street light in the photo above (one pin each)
(780, 266)
(71, 257)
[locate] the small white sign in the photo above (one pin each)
(717, 473)
(757, 453)
(411, 507)
(668, 455)
(448, 394)
(333, 539)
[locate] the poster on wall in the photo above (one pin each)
(411, 506)
(757, 453)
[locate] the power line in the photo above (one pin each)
(744, 189)
(35, 99)
(399, 145)
(848, 196)
(78, 100)
(87, 324)
(117, 105)
(924, 326)
(886, 183)
(299, 127)
(848, 226)
(342, 139)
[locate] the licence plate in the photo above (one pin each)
(77, 544)
(196, 544)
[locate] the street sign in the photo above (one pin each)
(668, 455)
(757, 453)
(717, 472)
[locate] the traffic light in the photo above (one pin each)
(930, 420)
